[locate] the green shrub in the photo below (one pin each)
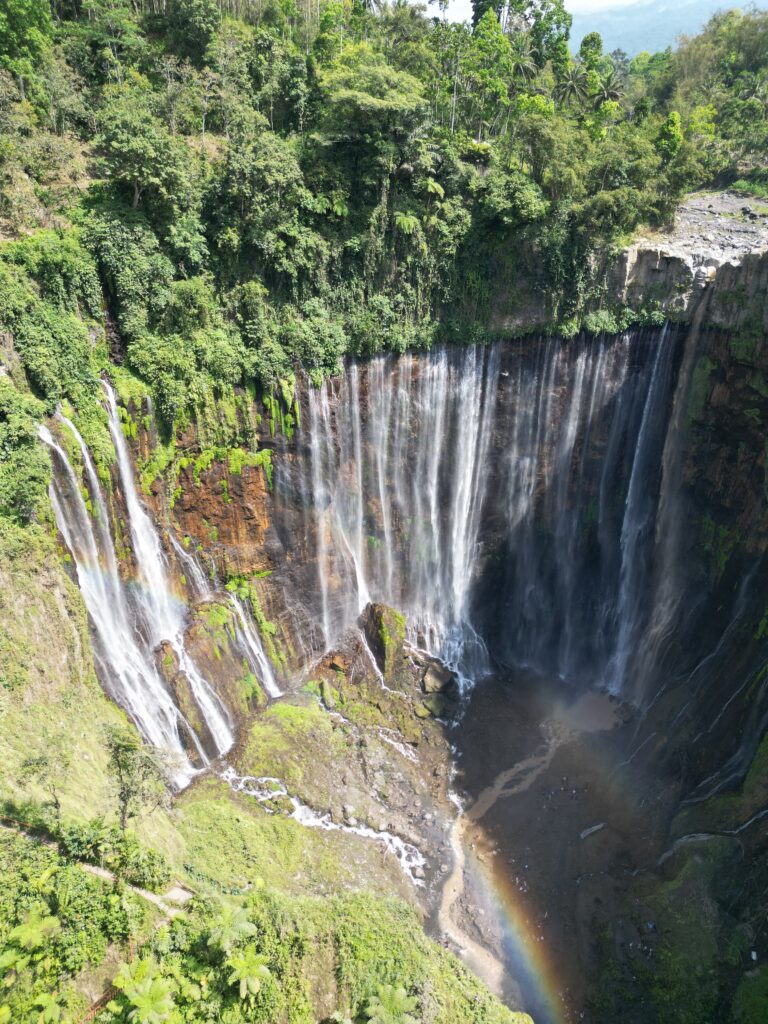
(98, 843)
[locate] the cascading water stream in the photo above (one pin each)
(502, 496)
(247, 637)
(365, 492)
(254, 650)
(199, 582)
(131, 620)
(640, 517)
(94, 487)
(161, 613)
(127, 666)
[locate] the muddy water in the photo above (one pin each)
(548, 830)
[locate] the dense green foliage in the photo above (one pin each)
(200, 195)
(54, 921)
(254, 187)
(265, 958)
(118, 851)
(258, 186)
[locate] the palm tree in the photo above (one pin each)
(231, 928)
(391, 1006)
(12, 962)
(151, 1001)
(35, 930)
(50, 1011)
(610, 88)
(572, 87)
(523, 64)
(406, 223)
(149, 995)
(249, 970)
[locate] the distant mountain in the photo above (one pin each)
(648, 24)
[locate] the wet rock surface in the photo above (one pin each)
(543, 886)
(635, 908)
(356, 753)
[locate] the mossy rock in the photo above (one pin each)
(385, 632)
(435, 704)
(328, 694)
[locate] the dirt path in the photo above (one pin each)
(171, 903)
(176, 893)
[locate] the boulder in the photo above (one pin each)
(437, 678)
(384, 630)
(435, 704)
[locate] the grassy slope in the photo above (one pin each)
(47, 681)
(217, 841)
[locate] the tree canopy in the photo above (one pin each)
(257, 187)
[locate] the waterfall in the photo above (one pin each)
(253, 649)
(640, 516)
(161, 613)
(247, 637)
(127, 665)
(395, 469)
(195, 575)
(131, 619)
(504, 498)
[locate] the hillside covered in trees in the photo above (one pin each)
(253, 185)
(202, 199)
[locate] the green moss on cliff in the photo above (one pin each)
(719, 542)
(245, 588)
(298, 743)
(747, 342)
(45, 686)
(751, 1000)
(701, 388)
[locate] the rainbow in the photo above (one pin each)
(526, 957)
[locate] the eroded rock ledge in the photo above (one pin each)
(719, 243)
(717, 247)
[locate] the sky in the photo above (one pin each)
(628, 25)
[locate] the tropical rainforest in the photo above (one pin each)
(254, 186)
(208, 198)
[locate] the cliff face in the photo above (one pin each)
(595, 508)
(719, 244)
(275, 528)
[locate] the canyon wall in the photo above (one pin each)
(592, 508)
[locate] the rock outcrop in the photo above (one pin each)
(718, 242)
